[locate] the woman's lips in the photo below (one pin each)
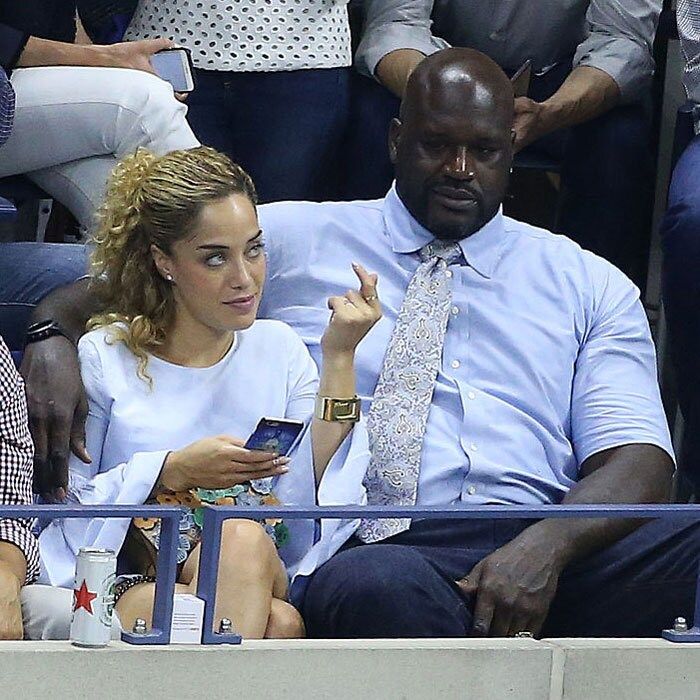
(243, 304)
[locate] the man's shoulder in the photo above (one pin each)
(561, 254)
(279, 217)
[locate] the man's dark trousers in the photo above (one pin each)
(680, 231)
(405, 586)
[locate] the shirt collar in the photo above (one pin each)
(482, 250)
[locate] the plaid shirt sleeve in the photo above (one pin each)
(16, 454)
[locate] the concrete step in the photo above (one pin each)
(483, 669)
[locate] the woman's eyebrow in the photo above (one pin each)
(213, 246)
(222, 246)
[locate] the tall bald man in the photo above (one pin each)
(587, 107)
(510, 367)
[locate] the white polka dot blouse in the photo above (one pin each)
(250, 35)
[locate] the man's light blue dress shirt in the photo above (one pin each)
(547, 360)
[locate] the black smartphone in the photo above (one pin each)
(275, 435)
(175, 66)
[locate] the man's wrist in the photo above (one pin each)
(555, 536)
(39, 331)
(102, 56)
(554, 114)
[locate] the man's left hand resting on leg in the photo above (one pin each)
(514, 586)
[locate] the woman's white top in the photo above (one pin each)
(250, 35)
(131, 428)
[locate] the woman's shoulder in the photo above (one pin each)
(268, 329)
(272, 339)
(103, 342)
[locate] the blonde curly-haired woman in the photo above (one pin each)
(178, 372)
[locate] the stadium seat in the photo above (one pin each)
(18, 191)
(8, 211)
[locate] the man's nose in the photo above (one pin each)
(460, 165)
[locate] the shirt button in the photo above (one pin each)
(455, 364)
(473, 447)
(455, 310)
(471, 395)
(448, 274)
(471, 490)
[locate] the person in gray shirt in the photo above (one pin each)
(585, 109)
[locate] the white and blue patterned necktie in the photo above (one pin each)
(399, 412)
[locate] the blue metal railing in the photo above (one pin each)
(214, 517)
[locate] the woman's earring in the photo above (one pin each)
(168, 277)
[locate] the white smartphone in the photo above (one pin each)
(175, 66)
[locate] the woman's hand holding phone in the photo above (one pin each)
(218, 463)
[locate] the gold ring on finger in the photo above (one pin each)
(371, 298)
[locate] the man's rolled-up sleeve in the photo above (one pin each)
(391, 25)
(615, 398)
(16, 456)
(12, 43)
(620, 42)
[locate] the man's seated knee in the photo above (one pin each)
(367, 576)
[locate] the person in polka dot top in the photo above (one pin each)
(272, 83)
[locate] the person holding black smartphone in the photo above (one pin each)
(273, 84)
(178, 373)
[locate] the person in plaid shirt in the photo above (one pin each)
(19, 552)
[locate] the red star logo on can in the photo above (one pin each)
(82, 598)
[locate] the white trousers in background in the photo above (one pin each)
(47, 611)
(72, 125)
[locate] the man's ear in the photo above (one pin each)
(394, 137)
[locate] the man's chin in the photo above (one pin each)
(453, 228)
(452, 224)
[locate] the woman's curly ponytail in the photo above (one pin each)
(152, 200)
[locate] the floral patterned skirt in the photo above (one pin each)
(143, 538)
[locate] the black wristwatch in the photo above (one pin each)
(43, 330)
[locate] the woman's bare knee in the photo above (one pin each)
(285, 622)
(137, 602)
(245, 544)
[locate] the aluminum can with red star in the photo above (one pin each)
(93, 597)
